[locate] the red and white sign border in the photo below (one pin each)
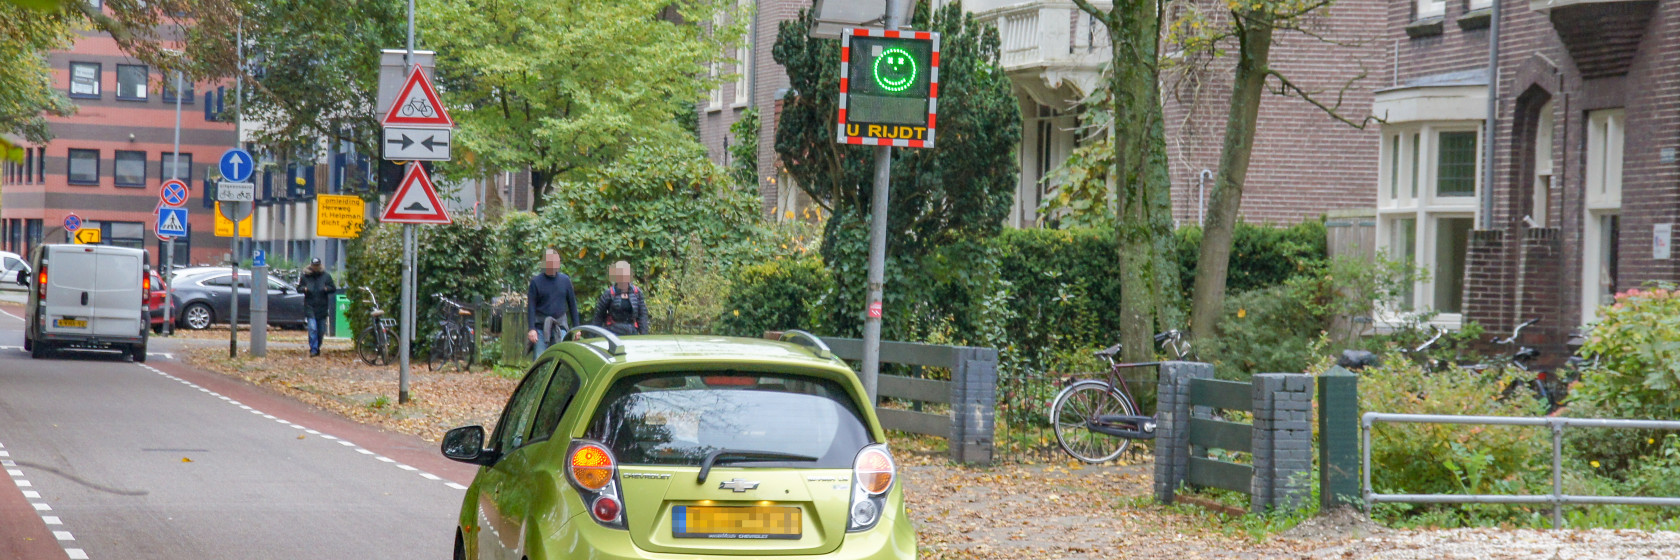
(415, 177)
(417, 77)
(845, 79)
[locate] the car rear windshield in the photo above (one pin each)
(677, 419)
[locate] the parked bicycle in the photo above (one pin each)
(1356, 360)
(377, 344)
(1095, 420)
(456, 340)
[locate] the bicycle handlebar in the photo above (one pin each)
(1516, 331)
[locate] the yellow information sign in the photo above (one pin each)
(87, 236)
(224, 226)
(339, 215)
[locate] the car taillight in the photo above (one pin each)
(873, 472)
(41, 284)
(592, 470)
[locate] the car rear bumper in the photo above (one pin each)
(89, 340)
(894, 538)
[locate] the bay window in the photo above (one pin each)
(1427, 207)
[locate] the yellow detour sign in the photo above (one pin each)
(87, 236)
(224, 226)
(338, 215)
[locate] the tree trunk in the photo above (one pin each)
(1254, 39)
(1141, 171)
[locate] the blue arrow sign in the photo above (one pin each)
(172, 222)
(237, 165)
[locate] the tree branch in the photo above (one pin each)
(1285, 87)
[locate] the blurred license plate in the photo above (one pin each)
(70, 323)
(757, 522)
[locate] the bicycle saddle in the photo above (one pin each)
(377, 312)
(1109, 352)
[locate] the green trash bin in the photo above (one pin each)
(341, 322)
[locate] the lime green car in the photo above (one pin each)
(683, 447)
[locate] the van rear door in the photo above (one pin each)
(118, 296)
(71, 273)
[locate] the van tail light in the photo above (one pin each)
(41, 284)
(593, 471)
(145, 289)
(873, 474)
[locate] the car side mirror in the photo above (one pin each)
(22, 279)
(467, 446)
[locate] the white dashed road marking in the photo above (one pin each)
(346, 443)
(63, 537)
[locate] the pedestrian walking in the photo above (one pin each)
(551, 303)
(620, 308)
(317, 288)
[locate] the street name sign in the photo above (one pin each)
(227, 191)
(416, 201)
(889, 87)
(236, 165)
(417, 144)
(172, 221)
(338, 216)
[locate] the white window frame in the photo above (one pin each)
(1431, 8)
(1407, 189)
(714, 69)
(1606, 136)
(1480, 4)
(744, 57)
(1541, 203)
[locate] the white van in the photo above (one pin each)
(87, 296)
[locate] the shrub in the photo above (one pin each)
(451, 261)
(1451, 459)
(689, 299)
(1261, 255)
(773, 295)
(1637, 340)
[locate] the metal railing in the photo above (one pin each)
(1557, 498)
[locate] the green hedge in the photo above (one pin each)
(775, 295)
(451, 260)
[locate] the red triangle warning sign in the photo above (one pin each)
(417, 104)
(416, 201)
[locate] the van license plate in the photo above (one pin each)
(70, 323)
(757, 522)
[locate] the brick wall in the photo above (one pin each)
(1304, 162)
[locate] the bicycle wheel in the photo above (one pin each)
(442, 352)
(367, 346)
(1075, 407)
(388, 346)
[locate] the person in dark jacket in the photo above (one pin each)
(317, 288)
(550, 296)
(621, 309)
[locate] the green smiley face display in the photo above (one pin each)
(895, 70)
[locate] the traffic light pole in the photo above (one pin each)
(877, 251)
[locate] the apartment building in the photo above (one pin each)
(107, 162)
(1583, 199)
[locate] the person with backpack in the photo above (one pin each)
(620, 308)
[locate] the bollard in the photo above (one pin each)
(1338, 439)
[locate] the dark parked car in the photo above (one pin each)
(201, 299)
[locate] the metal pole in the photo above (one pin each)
(1491, 128)
(877, 251)
(169, 246)
(407, 256)
(233, 240)
(407, 310)
(1557, 474)
(259, 309)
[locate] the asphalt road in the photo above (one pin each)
(109, 459)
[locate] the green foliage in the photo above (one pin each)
(1064, 293)
(743, 152)
(650, 208)
(1287, 326)
(451, 261)
(27, 94)
(1452, 459)
(1261, 255)
(1638, 341)
(1084, 198)
(571, 85)
(318, 70)
(960, 190)
(773, 295)
(690, 298)
(516, 256)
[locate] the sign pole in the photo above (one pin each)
(407, 310)
(169, 246)
(877, 250)
(233, 293)
(238, 137)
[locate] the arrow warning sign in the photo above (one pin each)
(417, 104)
(417, 144)
(416, 201)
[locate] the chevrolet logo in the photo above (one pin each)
(738, 485)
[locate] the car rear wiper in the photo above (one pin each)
(744, 455)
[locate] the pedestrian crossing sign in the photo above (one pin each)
(172, 222)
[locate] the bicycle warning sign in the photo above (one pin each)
(417, 104)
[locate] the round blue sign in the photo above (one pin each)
(236, 165)
(72, 223)
(174, 192)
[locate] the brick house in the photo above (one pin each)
(1054, 53)
(107, 161)
(1577, 212)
